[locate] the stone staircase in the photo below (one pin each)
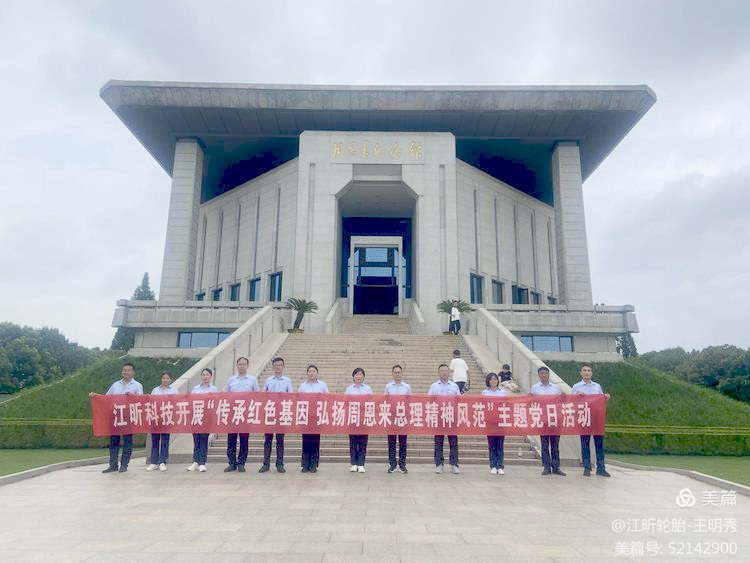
(376, 352)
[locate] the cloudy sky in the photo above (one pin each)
(83, 206)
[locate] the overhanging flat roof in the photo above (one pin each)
(507, 131)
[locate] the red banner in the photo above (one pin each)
(315, 413)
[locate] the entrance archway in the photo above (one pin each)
(376, 269)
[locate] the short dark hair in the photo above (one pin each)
(490, 376)
(457, 353)
(585, 365)
(165, 372)
(277, 359)
(128, 364)
(506, 366)
(397, 366)
(242, 358)
(357, 370)
(443, 365)
(209, 370)
(543, 368)
(312, 366)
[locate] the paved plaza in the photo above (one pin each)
(81, 515)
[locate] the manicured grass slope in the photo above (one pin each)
(644, 395)
(68, 399)
(736, 469)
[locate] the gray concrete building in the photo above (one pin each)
(377, 200)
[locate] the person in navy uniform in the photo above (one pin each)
(358, 442)
(397, 387)
(240, 381)
(444, 386)
(588, 387)
(200, 440)
(550, 444)
(160, 441)
(277, 383)
(311, 442)
(495, 443)
(125, 386)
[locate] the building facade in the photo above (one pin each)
(377, 200)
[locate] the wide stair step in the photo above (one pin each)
(374, 324)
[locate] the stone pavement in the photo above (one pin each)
(81, 515)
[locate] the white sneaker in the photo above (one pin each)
(193, 466)
(493, 471)
(439, 469)
(360, 469)
(353, 469)
(151, 467)
(500, 471)
(162, 467)
(201, 468)
(454, 469)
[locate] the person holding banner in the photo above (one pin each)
(311, 442)
(241, 381)
(495, 443)
(277, 383)
(444, 386)
(160, 441)
(200, 441)
(125, 386)
(397, 387)
(358, 442)
(588, 387)
(550, 444)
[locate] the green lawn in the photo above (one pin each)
(13, 461)
(732, 468)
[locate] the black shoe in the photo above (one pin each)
(313, 470)
(110, 470)
(263, 469)
(241, 468)
(123, 469)
(280, 469)
(587, 472)
(404, 470)
(603, 473)
(546, 471)
(305, 470)
(230, 468)
(559, 472)
(391, 469)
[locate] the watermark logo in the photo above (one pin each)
(685, 498)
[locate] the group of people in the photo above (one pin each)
(495, 386)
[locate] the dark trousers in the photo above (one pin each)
(235, 460)
(586, 451)
(159, 448)
(200, 448)
(401, 451)
(279, 450)
(453, 442)
(114, 447)
(358, 448)
(495, 445)
(461, 385)
(310, 451)
(550, 452)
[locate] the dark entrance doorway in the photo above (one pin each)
(375, 280)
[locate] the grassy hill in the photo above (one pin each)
(644, 395)
(68, 399)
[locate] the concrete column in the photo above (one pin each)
(178, 270)
(573, 272)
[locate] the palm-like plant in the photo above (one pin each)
(446, 306)
(302, 306)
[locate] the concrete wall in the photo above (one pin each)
(245, 234)
(504, 235)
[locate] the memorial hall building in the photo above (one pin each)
(380, 201)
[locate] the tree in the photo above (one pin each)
(124, 338)
(302, 306)
(668, 359)
(626, 345)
